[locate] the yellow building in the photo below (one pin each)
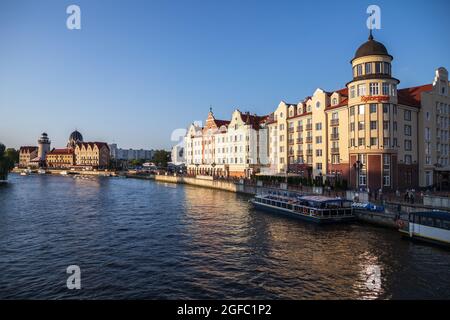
(369, 133)
(60, 158)
(92, 154)
(26, 154)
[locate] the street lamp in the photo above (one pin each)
(213, 165)
(357, 165)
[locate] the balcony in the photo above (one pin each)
(291, 141)
(309, 152)
(299, 128)
(291, 153)
(335, 136)
(299, 140)
(335, 150)
(334, 122)
(291, 130)
(309, 126)
(309, 139)
(299, 153)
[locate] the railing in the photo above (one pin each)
(334, 122)
(309, 139)
(291, 129)
(309, 126)
(309, 152)
(334, 150)
(291, 141)
(299, 128)
(335, 136)
(299, 140)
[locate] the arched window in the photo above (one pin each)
(334, 102)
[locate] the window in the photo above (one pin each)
(386, 180)
(352, 142)
(386, 142)
(319, 139)
(385, 108)
(387, 68)
(352, 92)
(317, 104)
(308, 108)
(408, 159)
(334, 116)
(407, 115)
(359, 70)
(374, 88)
(428, 178)
(386, 125)
(373, 108)
(319, 166)
(407, 130)
(368, 68)
(408, 145)
(361, 142)
(361, 109)
(427, 134)
(373, 125)
(319, 126)
(362, 179)
(361, 90)
(352, 111)
(352, 126)
(373, 141)
(393, 90)
(395, 142)
(361, 125)
(385, 89)
(394, 125)
(318, 152)
(377, 67)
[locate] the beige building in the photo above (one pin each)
(92, 154)
(60, 158)
(26, 155)
(369, 133)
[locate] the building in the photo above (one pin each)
(26, 154)
(94, 155)
(74, 138)
(235, 148)
(60, 158)
(130, 154)
(370, 134)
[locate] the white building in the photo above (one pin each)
(130, 154)
(236, 148)
(178, 155)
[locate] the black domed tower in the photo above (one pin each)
(74, 138)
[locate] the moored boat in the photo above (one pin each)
(429, 226)
(25, 172)
(64, 173)
(41, 171)
(318, 209)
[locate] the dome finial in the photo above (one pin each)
(370, 34)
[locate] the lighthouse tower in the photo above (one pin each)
(43, 148)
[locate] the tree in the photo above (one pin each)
(161, 158)
(13, 156)
(4, 163)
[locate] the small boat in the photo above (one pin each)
(25, 172)
(64, 173)
(41, 171)
(318, 209)
(429, 226)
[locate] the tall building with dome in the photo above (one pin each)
(74, 138)
(369, 134)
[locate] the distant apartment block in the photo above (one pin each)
(130, 154)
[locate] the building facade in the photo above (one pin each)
(92, 154)
(130, 154)
(60, 158)
(235, 148)
(370, 134)
(26, 154)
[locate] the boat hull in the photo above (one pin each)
(290, 213)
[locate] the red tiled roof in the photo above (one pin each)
(254, 120)
(220, 123)
(92, 144)
(60, 151)
(412, 96)
(28, 149)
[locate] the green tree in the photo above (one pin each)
(4, 163)
(161, 158)
(13, 156)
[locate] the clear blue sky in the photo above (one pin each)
(139, 69)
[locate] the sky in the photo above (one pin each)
(137, 70)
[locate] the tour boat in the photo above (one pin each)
(318, 209)
(431, 226)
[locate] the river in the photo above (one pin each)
(137, 239)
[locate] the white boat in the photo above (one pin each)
(41, 171)
(318, 209)
(430, 226)
(64, 173)
(25, 172)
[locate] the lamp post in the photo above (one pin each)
(357, 165)
(196, 168)
(213, 165)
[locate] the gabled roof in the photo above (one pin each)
(28, 149)
(412, 96)
(92, 144)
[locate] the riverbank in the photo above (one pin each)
(104, 173)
